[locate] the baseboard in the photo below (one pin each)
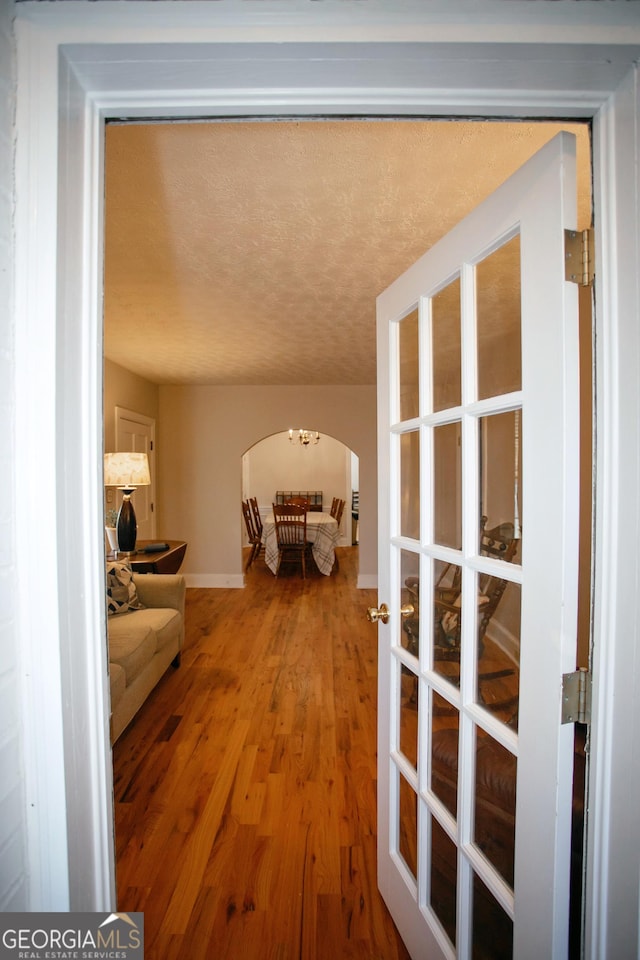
(505, 640)
(367, 581)
(214, 580)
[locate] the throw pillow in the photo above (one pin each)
(121, 589)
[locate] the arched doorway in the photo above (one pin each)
(276, 463)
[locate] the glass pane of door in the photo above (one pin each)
(447, 485)
(443, 879)
(492, 927)
(408, 826)
(494, 820)
(410, 485)
(498, 319)
(446, 338)
(408, 366)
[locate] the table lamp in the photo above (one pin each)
(126, 471)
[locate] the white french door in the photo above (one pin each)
(478, 431)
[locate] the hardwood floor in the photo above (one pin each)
(245, 789)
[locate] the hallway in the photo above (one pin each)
(245, 790)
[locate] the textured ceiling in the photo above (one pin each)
(252, 252)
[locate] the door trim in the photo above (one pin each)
(612, 887)
(120, 414)
(64, 94)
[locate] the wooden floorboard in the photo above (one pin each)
(245, 789)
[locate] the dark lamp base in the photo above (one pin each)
(126, 527)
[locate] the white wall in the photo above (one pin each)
(277, 464)
(13, 829)
(203, 433)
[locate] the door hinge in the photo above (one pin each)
(579, 259)
(576, 696)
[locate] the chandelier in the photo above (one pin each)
(304, 437)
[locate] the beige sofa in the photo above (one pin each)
(143, 642)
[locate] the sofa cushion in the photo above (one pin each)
(121, 589)
(165, 623)
(117, 682)
(132, 643)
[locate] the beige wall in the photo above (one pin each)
(125, 389)
(202, 435)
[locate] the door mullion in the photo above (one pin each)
(466, 763)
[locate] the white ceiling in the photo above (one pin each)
(251, 252)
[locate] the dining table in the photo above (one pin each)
(322, 533)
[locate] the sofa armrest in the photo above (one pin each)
(161, 590)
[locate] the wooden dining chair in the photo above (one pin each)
(254, 538)
(291, 534)
(257, 523)
(255, 513)
(337, 507)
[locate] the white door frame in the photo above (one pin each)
(69, 80)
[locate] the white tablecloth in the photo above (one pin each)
(322, 532)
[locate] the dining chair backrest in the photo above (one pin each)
(248, 521)
(298, 501)
(339, 511)
(291, 533)
(291, 524)
(334, 506)
(252, 533)
(255, 512)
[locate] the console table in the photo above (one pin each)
(166, 561)
(313, 496)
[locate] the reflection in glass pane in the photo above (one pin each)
(492, 928)
(409, 692)
(408, 826)
(409, 595)
(495, 804)
(447, 620)
(445, 318)
(498, 678)
(408, 374)
(410, 485)
(444, 753)
(498, 318)
(447, 482)
(444, 872)
(500, 455)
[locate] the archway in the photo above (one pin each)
(279, 463)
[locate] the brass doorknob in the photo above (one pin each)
(407, 610)
(378, 613)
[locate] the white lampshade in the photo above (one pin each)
(126, 470)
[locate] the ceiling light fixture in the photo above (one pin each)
(304, 437)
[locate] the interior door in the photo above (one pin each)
(478, 427)
(135, 433)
